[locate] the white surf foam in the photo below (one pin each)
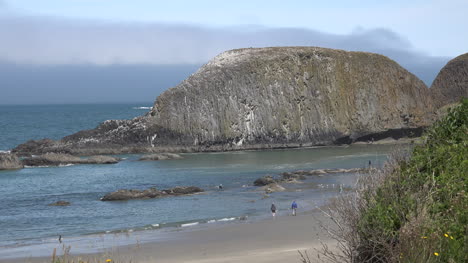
(65, 165)
(189, 224)
(227, 219)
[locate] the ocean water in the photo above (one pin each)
(19, 123)
(27, 223)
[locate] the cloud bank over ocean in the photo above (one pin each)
(69, 44)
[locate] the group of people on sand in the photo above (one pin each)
(293, 208)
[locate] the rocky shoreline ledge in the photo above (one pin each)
(10, 161)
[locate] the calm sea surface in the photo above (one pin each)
(26, 220)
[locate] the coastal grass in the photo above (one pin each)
(413, 210)
(66, 257)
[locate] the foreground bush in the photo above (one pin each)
(416, 208)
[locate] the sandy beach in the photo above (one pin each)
(270, 240)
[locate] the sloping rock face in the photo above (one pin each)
(268, 98)
(292, 95)
(451, 84)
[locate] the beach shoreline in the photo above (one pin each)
(268, 240)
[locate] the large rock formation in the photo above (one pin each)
(266, 98)
(451, 84)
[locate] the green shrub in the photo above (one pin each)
(428, 195)
(416, 208)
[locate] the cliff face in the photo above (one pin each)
(451, 84)
(270, 97)
(293, 95)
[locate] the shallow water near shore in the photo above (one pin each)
(29, 224)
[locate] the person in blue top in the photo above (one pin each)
(294, 207)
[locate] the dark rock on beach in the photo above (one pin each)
(125, 194)
(60, 203)
(10, 162)
(265, 180)
(258, 98)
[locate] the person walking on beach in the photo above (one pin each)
(273, 210)
(294, 207)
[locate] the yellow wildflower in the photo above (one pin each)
(451, 237)
(108, 260)
(446, 235)
(436, 254)
(424, 237)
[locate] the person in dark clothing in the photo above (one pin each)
(294, 207)
(273, 210)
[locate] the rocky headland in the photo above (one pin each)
(451, 83)
(261, 98)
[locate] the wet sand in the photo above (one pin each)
(270, 240)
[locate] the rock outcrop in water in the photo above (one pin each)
(60, 203)
(57, 159)
(267, 98)
(125, 194)
(451, 84)
(10, 162)
(160, 156)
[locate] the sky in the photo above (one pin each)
(91, 51)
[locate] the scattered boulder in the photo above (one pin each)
(56, 159)
(160, 156)
(60, 203)
(10, 162)
(102, 159)
(265, 180)
(125, 194)
(183, 190)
